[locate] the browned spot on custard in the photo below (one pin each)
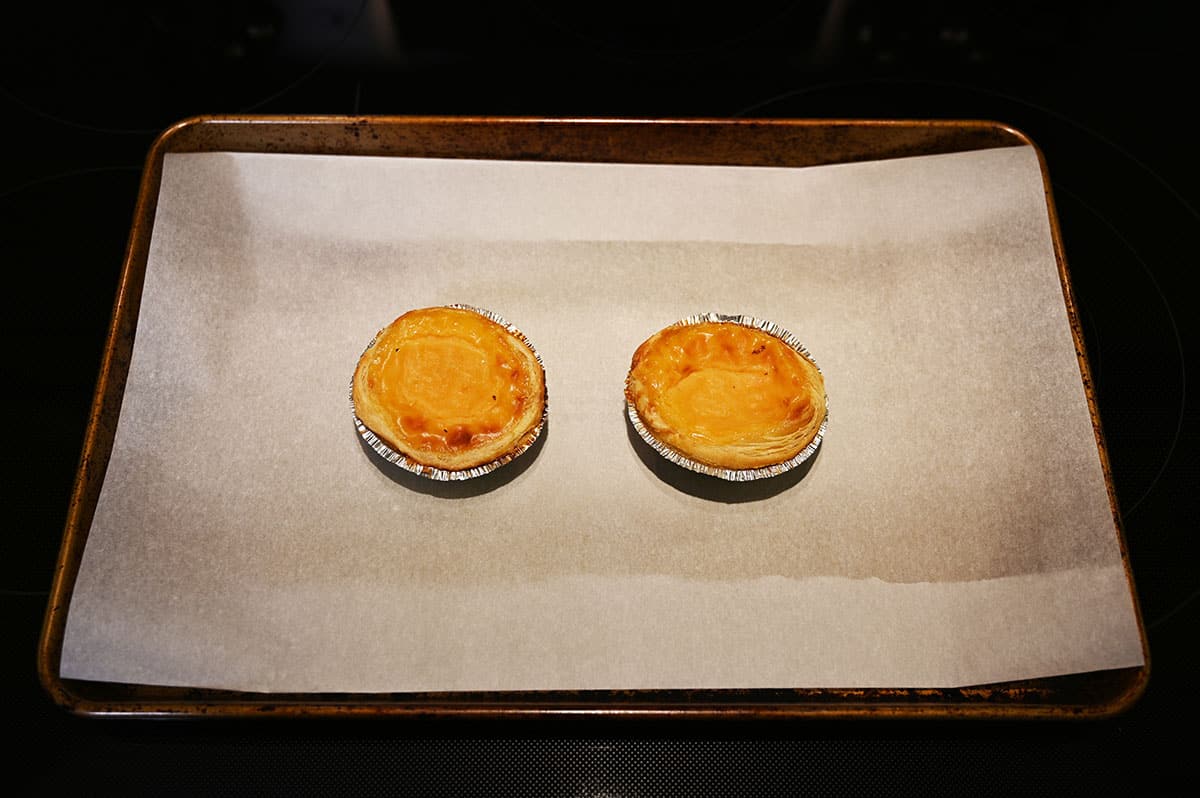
(414, 423)
(801, 412)
(460, 437)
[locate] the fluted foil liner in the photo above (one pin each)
(735, 474)
(401, 460)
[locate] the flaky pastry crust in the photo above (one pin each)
(726, 395)
(449, 388)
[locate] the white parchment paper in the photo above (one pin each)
(953, 529)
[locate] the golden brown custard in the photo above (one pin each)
(450, 388)
(726, 395)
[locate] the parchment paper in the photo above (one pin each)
(953, 529)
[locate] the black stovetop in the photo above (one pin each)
(1106, 94)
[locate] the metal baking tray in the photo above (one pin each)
(747, 142)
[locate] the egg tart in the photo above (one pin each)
(449, 392)
(729, 396)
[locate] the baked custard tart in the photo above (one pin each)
(449, 392)
(728, 396)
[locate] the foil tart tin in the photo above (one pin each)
(735, 474)
(400, 460)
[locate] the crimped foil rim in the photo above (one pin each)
(402, 461)
(735, 474)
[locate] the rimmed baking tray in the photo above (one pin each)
(786, 143)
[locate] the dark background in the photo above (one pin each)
(1107, 93)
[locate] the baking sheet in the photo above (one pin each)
(954, 528)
